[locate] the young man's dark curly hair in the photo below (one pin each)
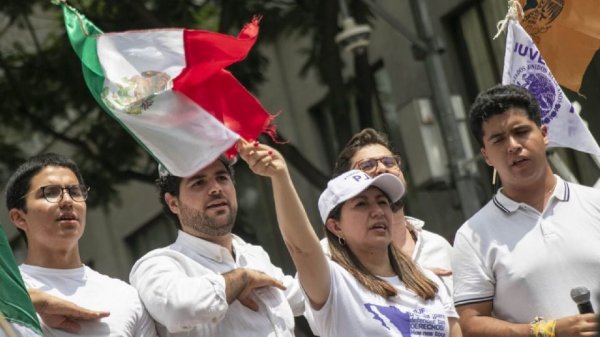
(497, 100)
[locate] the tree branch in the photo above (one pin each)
(144, 14)
(81, 144)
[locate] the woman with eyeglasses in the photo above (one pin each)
(371, 152)
(368, 287)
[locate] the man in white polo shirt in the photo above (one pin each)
(517, 259)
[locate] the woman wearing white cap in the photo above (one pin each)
(368, 288)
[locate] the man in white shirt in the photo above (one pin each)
(516, 260)
(18, 305)
(45, 198)
(210, 282)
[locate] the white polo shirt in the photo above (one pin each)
(527, 262)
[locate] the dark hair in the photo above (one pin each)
(170, 184)
(408, 272)
(20, 182)
(497, 100)
(361, 139)
(365, 137)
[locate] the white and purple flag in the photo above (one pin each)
(525, 66)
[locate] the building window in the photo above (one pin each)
(383, 113)
(481, 57)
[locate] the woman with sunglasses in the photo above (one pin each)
(371, 152)
(368, 287)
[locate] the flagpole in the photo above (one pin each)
(465, 183)
(5, 327)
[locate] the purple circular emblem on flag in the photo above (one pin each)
(542, 87)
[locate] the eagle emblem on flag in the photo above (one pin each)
(136, 94)
(539, 15)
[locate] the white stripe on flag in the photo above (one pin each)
(524, 66)
(131, 53)
(180, 134)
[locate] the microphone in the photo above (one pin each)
(581, 296)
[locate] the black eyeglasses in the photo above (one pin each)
(369, 165)
(54, 193)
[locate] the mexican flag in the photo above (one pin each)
(15, 304)
(168, 88)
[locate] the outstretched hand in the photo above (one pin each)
(262, 159)
(61, 314)
(255, 280)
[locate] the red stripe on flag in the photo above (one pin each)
(227, 99)
(206, 82)
(206, 53)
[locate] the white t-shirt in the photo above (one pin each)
(527, 262)
(20, 331)
(352, 310)
(182, 287)
(92, 290)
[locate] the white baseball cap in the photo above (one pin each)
(352, 183)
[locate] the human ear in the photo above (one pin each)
(484, 154)
(172, 202)
(18, 218)
(333, 226)
(544, 130)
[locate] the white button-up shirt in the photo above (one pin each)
(182, 288)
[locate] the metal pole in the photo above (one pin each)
(465, 185)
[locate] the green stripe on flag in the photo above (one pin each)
(15, 303)
(83, 35)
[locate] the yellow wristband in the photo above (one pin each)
(542, 328)
(550, 328)
(533, 326)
